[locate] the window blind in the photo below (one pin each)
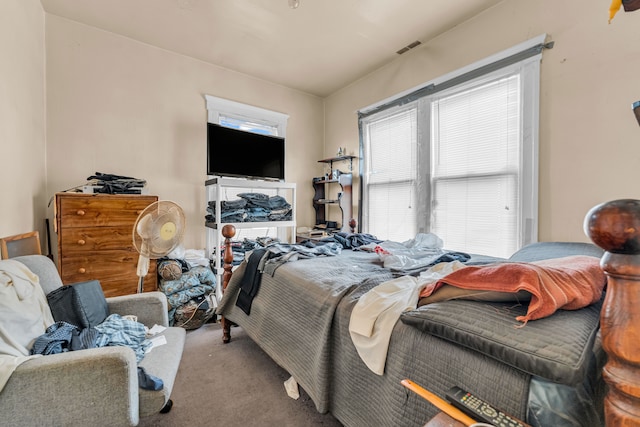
(392, 166)
(476, 167)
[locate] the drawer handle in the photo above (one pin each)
(80, 212)
(82, 270)
(81, 242)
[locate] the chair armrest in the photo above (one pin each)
(83, 387)
(150, 307)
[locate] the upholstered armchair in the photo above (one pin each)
(96, 386)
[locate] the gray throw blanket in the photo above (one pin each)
(268, 259)
(279, 253)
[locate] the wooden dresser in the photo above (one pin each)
(95, 240)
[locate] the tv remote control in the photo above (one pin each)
(480, 410)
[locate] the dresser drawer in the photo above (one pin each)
(101, 210)
(80, 240)
(116, 271)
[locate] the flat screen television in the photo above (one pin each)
(237, 153)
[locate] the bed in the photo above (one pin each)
(550, 371)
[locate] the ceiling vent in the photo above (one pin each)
(409, 47)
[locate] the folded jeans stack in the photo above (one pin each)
(251, 207)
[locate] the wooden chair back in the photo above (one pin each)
(20, 244)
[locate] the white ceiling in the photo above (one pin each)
(318, 48)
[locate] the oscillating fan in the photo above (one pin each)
(158, 230)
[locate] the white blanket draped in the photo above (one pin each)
(376, 312)
(24, 315)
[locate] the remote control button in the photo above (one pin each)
(489, 411)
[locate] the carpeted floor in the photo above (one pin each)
(233, 384)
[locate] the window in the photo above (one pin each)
(246, 117)
(248, 125)
(457, 159)
(391, 166)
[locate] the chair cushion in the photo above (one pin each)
(162, 362)
(44, 268)
(81, 304)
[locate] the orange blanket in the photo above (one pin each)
(567, 283)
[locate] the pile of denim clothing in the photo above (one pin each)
(240, 249)
(251, 207)
(116, 184)
(188, 293)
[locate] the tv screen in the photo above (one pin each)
(233, 152)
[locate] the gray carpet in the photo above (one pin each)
(233, 384)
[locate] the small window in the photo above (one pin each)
(246, 117)
(248, 125)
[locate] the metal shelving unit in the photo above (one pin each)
(216, 188)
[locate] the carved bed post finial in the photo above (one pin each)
(228, 232)
(615, 227)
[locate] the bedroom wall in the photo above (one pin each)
(22, 120)
(589, 139)
(115, 105)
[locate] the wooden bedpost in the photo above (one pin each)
(615, 227)
(228, 231)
